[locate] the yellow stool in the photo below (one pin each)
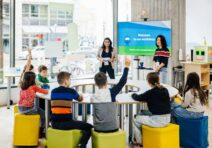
(26, 130)
(63, 138)
(166, 137)
(15, 108)
(178, 100)
(109, 140)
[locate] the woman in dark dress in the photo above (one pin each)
(106, 56)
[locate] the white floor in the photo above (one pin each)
(6, 127)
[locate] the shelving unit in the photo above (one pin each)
(203, 70)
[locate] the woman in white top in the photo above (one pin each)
(106, 56)
(195, 99)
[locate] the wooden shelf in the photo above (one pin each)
(204, 84)
(205, 71)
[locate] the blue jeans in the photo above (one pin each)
(32, 111)
(178, 111)
(163, 75)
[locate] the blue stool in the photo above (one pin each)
(193, 132)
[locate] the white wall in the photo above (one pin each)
(198, 23)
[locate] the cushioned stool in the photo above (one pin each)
(178, 100)
(109, 140)
(26, 130)
(63, 138)
(15, 109)
(166, 137)
(193, 132)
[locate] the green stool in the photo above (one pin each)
(109, 140)
(63, 138)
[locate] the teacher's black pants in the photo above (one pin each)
(109, 70)
(73, 124)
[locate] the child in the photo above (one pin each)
(26, 103)
(42, 76)
(158, 102)
(61, 101)
(28, 67)
(194, 102)
(104, 100)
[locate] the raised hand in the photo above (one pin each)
(127, 62)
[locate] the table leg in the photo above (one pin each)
(94, 89)
(130, 121)
(126, 106)
(121, 120)
(84, 112)
(76, 107)
(127, 110)
(47, 116)
(83, 89)
(126, 89)
(77, 88)
(8, 92)
(138, 108)
(73, 111)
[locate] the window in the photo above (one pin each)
(43, 11)
(77, 38)
(34, 14)
(5, 57)
(25, 9)
(6, 8)
(61, 14)
(34, 10)
(60, 18)
(68, 15)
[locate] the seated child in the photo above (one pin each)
(28, 67)
(61, 102)
(104, 108)
(42, 78)
(195, 99)
(158, 102)
(43, 72)
(26, 103)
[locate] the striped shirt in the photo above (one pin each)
(162, 56)
(61, 102)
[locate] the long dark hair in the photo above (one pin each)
(153, 79)
(163, 41)
(28, 80)
(110, 47)
(22, 74)
(193, 82)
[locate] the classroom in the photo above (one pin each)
(105, 74)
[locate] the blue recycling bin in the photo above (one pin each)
(193, 132)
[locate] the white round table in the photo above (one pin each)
(121, 99)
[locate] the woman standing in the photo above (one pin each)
(106, 56)
(161, 58)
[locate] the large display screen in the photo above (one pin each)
(139, 38)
